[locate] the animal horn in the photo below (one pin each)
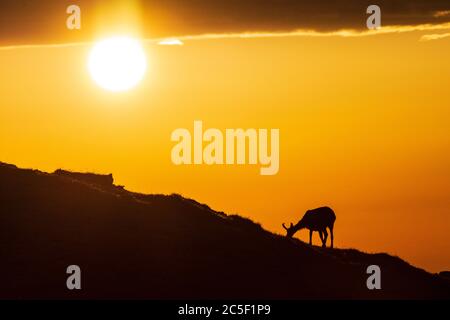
(284, 226)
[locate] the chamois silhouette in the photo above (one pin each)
(318, 219)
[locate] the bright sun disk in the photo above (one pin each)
(118, 63)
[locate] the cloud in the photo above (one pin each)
(170, 42)
(439, 14)
(246, 35)
(31, 22)
(435, 36)
(313, 33)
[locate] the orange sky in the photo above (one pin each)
(364, 128)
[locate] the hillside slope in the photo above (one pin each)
(131, 245)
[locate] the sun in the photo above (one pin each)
(117, 63)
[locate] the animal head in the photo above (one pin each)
(289, 231)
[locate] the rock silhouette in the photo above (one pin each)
(131, 245)
(105, 180)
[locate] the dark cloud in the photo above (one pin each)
(41, 21)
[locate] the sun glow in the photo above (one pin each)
(118, 63)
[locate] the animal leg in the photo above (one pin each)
(331, 236)
(310, 237)
(324, 241)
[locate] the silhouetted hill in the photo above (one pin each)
(131, 245)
